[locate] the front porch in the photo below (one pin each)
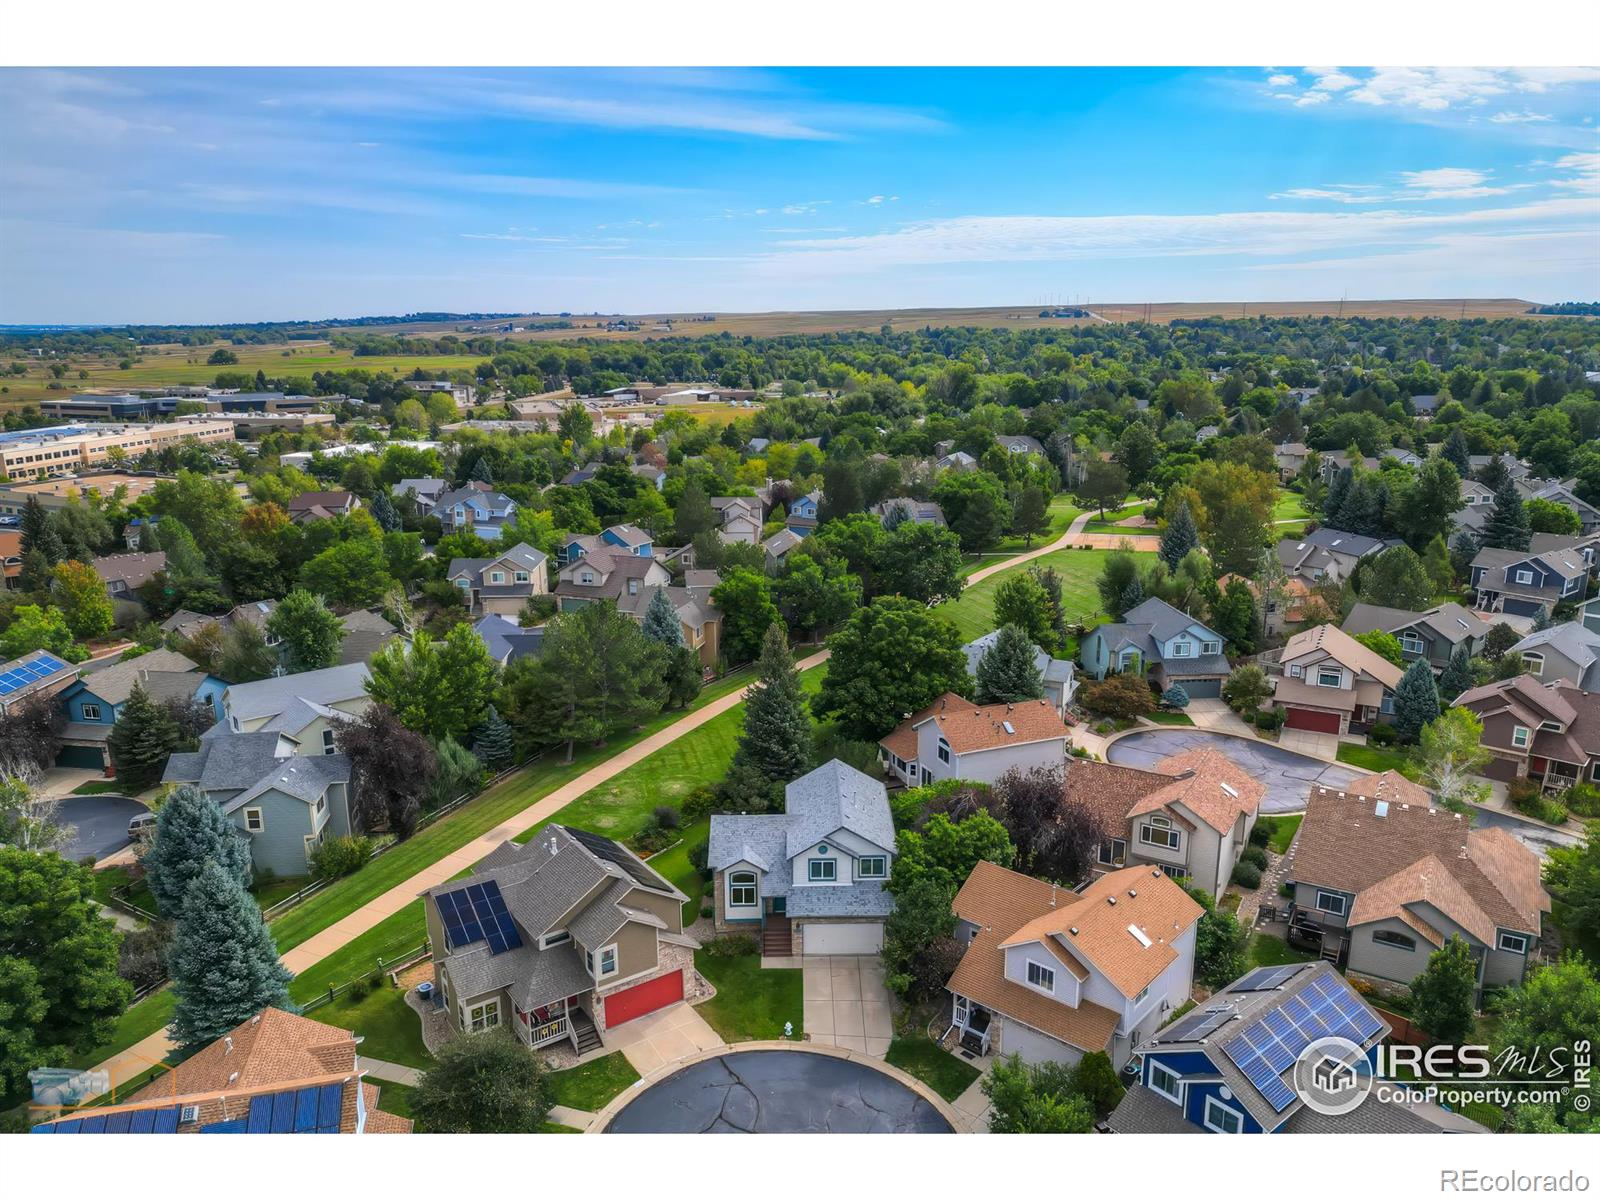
(971, 1028)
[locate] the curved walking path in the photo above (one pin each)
(143, 1055)
(1073, 537)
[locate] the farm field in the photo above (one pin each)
(973, 613)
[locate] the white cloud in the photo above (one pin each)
(1438, 183)
(1432, 89)
(1309, 99)
(1282, 81)
(1331, 79)
(1586, 173)
(1519, 118)
(876, 199)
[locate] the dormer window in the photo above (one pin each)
(1041, 977)
(586, 577)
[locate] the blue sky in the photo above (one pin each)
(218, 195)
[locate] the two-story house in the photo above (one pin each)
(1521, 583)
(559, 940)
(1060, 683)
(699, 620)
(1569, 651)
(125, 574)
(1382, 878)
(953, 738)
(1561, 492)
(1331, 683)
(1584, 545)
(321, 506)
(1051, 975)
(740, 518)
(810, 878)
(1436, 634)
(1190, 814)
(281, 797)
(94, 701)
(1533, 730)
(1289, 458)
(34, 678)
(1328, 554)
(1160, 643)
(478, 509)
(1232, 1065)
(802, 516)
(1018, 443)
(425, 492)
(608, 574)
(628, 539)
(306, 706)
(903, 508)
(503, 584)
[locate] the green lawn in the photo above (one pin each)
(1268, 951)
(590, 1087)
(973, 613)
(394, 1098)
(107, 879)
(943, 1072)
(1110, 524)
(1289, 506)
(99, 787)
(1377, 759)
(1061, 513)
(674, 865)
(1169, 718)
(390, 1030)
(1282, 829)
(750, 1004)
(552, 1127)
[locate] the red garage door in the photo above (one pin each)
(645, 998)
(1307, 718)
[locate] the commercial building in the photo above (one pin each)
(67, 449)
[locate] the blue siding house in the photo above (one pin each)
(802, 515)
(94, 702)
(1161, 643)
(1524, 583)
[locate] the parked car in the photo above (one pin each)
(142, 827)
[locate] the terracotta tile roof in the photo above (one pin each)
(1343, 648)
(1098, 925)
(970, 727)
(1344, 844)
(1209, 785)
(273, 1047)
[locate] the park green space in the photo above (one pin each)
(973, 612)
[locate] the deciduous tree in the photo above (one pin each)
(891, 659)
(945, 851)
(486, 1083)
(390, 768)
(745, 598)
(83, 598)
(311, 635)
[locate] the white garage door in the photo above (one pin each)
(865, 937)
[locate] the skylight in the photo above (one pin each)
(1007, 726)
(1139, 936)
(1229, 789)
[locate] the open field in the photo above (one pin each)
(973, 612)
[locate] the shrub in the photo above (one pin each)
(698, 804)
(1286, 890)
(707, 911)
(359, 988)
(1119, 696)
(537, 610)
(1175, 697)
(1383, 735)
(142, 958)
(1247, 874)
(1261, 832)
(1582, 799)
(337, 857)
(1521, 791)
(1269, 719)
(732, 945)
(652, 837)
(699, 856)
(665, 816)
(1256, 856)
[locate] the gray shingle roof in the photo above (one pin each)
(836, 796)
(866, 899)
(303, 776)
(1356, 545)
(759, 839)
(1161, 619)
(1054, 670)
(271, 697)
(114, 684)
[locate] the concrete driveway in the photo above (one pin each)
(651, 1042)
(1304, 741)
(1216, 715)
(846, 1003)
(101, 823)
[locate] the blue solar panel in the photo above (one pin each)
(282, 1113)
(329, 1105)
(478, 913)
(93, 1125)
(260, 1115)
(118, 1122)
(167, 1121)
(1325, 1008)
(143, 1121)
(234, 1126)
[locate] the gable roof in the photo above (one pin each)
(114, 684)
(836, 796)
(973, 728)
(1209, 785)
(1450, 621)
(1343, 649)
(227, 762)
(272, 1047)
(132, 569)
(1163, 620)
(1571, 639)
(272, 697)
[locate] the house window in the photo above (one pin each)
(1332, 902)
(253, 820)
(1410, 643)
(556, 937)
(1524, 576)
(1519, 736)
(586, 577)
(1386, 705)
(1533, 662)
(1113, 852)
(483, 1016)
(822, 870)
(944, 751)
(1143, 992)
(91, 712)
(497, 576)
(1513, 943)
(1158, 831)
(633, 587)
(1040, 976)
(742, 889)
(608, 961)
(1210, 647)
(1296, 670)
(1165, 1082)
(1330, 678)
(1389, 937)
(873, 866)
(1220, 1118)
(464, 584)
(1182, 649)
(521, 577)
(322, 803)
(327, 742)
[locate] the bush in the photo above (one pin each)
(1383, 735)
(537, 610)
(1256, 856)
(1247, 874)
(1269, 720)
(1260, 832)
(698, 804)
(653, 837)
(359, 988)
(1582, 799)
(699, 856)
(1286, 890)
(1118, 696)
(665, 816)
(707, 911)
(142, 958)
(337, 857)
(732, 945)
(1175, 697)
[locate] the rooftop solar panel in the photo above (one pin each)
(330, 1103)
(305, 1110)
(260, 1120)
(237, 1125)
(144, 1121)
(167, 1121)
(605, 848)
(1196, 1026)
(478, 913)
(282, 1113)
(1269, 1047)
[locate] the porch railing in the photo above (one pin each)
(550, 1031)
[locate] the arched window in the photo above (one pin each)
(742, 889)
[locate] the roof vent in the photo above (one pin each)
(1007, 726)
(1230, 790)
(233, 1077)
(1073, 930)
(227, 1044)
(1133, 893)
(1111, 900)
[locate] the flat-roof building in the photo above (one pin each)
(68, 449)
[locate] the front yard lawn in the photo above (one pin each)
(1282, 831)
(394, 1098)
(1289, 506)
(1377, 759)
(943, 1072)
(750, 1004)
(1170, 718)
(103, 787)
(591, 1086)
(1268, 951)
(389, 1030)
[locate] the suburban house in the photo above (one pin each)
(628, 539)
(1331, 683)
(477, 508)
(1399, 454)
(1435, 635)
(425, 492)
(1276, 614)
(93, 702)
(1561, 493)
(319, 506)
(283, 798)
(802, 515)
(607, 575)
(506, 640)
(35, 677)
(1425, 406)
(651, 474)
(811, 877)
(1569, 651)
(365, 632)
(1334, 461)
(1161, 643)
(1523, 583)
(778, 546)
(124, 574)
(699, 620)
(1059, 683)
(1382, 878)
(1191, 814)
(558, 940)
(304, 706)
(11, 557)
(1533, 730)
(1327, 554)
(503, 584)
(1584, 545)
(1290, 457)
(275, 1073)
(960, 460)
(953, 738)
(904, 508)
(1018, 443)
(1228, 1066)
(1051, 975)
(740, 518)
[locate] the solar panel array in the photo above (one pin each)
(145, 1120)
(1197, 1025)
(605, 848)
(1264, 979)
(26, 674)
(1268, 1048)
(478, 913)
(298, 1110)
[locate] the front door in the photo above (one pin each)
(777, 905)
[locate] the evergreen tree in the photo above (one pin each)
(1007, 672)
(144, 736)
(38, 534)
(1454, 451)
(1457, 675)
(191, 830)
(1333, 501)
(694, 514)
(1494, 474)
(481, 472)
(661, 622)
(382, 510)
(1179, 537)
(224, 963)
(777, 732)
(1416, 700)
(1507, 526)
(1031, 514)
(483, 1084)
(494, 744)
(1441, 997)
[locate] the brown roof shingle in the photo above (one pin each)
(1208, 785)
(270, 1048)
(970, 727)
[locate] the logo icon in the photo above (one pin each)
(1332, 1075)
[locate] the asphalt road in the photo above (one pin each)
(101, 822)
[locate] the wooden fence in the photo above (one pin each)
(404, 959)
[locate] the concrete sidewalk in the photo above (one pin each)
(390, 1072)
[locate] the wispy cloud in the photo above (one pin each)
(1525, 117)
(1428, 89)
(1438, 183)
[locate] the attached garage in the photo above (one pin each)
(1311, 719)
(844, 937)
(1034, 1047)
(1203, 688)
(91, 757)
(643, 998)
